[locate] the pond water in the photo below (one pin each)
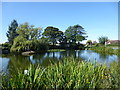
(115, 48)
(14, 62)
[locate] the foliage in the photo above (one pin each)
(63, 40)
(105, 50)
(29, 32)
(22, 44)
(11, 33)
(17, 62)
(89, 42)
(114, 45)
(18, 44)
(102, 40)
(28, 39)
(68, 73)
(115, 72)
(81, 46)
(53, 34)
(40, 46)
(6, 45)
(96, 44)
(75, 33)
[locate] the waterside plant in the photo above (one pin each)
(68, 73)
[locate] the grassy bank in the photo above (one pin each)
(68, 73)
(56, 50)
(105, 50)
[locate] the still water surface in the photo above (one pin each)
(15, 62)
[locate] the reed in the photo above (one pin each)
(68, 73)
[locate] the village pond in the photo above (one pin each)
(12, 63)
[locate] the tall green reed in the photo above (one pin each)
(68, 73)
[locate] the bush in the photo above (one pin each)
(96, 44)
(81, 46)
(21, 44)
(6, 46)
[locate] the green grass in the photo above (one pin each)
(69, 73)
(56, 50)
(105, 50)
(113, 45)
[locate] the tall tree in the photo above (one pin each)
(28, 39)
(103, 39)
(11, 33)
(75, 33)
(53, 34)
(29, 31)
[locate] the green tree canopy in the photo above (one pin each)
(28, 39)
(29, 31)
(102, 39)
(75, 33)
(11, 33)
(22, 44)
(19, 44)
(53, 34)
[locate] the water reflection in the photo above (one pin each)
(16, 62)
(3, 64)
(101, 58)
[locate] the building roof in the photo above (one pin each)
(113, 41)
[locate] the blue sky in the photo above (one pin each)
(97, 18)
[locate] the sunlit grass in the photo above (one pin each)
(56, 50)
(106, 50)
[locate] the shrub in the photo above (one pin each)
(6, 46)
(21, 44)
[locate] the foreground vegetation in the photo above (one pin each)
(68, 73)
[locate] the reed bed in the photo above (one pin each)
(68, 73)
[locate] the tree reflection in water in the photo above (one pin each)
(18, 62)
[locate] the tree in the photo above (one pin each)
(53, 34)
(11, 33)
(19, 44)
(29, 32)
(75, 33)
(28, 39)
(22, 44)
(89, 42)
(63, 39)
(103, 39)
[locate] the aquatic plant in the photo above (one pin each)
(68, 73)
